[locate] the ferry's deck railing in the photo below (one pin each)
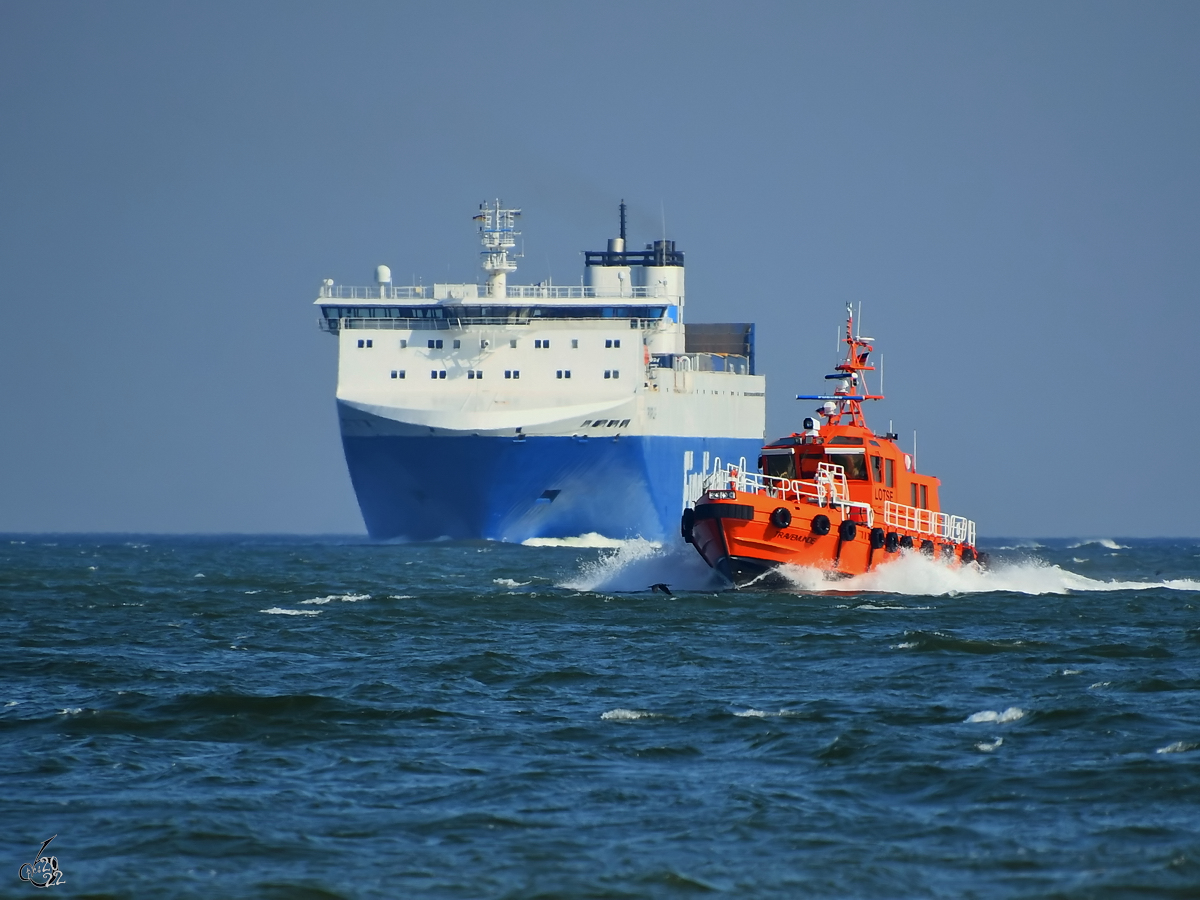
(958, 529)
(514, 291)
(447, 323)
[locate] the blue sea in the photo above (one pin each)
(327, 718)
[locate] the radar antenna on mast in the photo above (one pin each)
(498, 234)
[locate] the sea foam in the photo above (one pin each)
(990, 715)
(915, 574)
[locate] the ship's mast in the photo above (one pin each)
(498, 234)
(846, 400)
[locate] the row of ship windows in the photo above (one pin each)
(538, 344)
(477, 374)
(601, 423)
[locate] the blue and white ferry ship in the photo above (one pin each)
(511, 412)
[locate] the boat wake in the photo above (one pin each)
(916, 575)
(587, 541)
(634, 565)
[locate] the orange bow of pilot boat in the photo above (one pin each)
(835, 496)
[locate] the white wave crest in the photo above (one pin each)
(280, 611)
(345, 598)
(510, 582)
(1177, 747)
(591, 540)
(1107, 543)
(988, 748)
(762, 714)
(71, 711)
(990, 715)
(626, 715)
(917, 575)
(635, 565)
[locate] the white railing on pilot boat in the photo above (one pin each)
(958, 529)
(828, 488)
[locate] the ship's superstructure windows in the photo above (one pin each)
(403, 344)
(457, 344)
(574, 343)
(365, 343)
(437, 373)
(474, 373)
(599, 423)
(889, 472)
(512, 373)
(397, 373)
(435, 344)
(541, 344)
(624, 423)
(612, 344)
(612, 373)
(563, 373)
(513, 343)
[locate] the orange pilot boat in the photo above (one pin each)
(836, 496)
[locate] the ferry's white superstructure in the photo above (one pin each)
(510, 412)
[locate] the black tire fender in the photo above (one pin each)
(820, 524)
(968, 555)
(687, 523)
(847, 530)
(892, 542)
(906, 542)
(781, 517)
(876, 538)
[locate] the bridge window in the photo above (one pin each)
(397, 373)
(435, 345)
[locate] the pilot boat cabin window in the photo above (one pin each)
(889, 472)
(780, 465)
(877, 469)
(855, 464)
(923, 497)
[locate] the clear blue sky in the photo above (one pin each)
(1011, 189)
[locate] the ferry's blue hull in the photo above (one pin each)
(425, 488)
